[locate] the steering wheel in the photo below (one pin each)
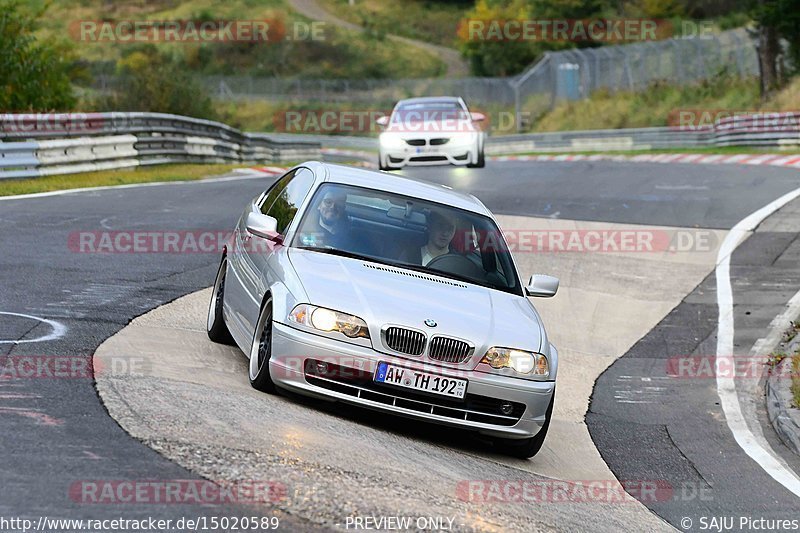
(457, 264)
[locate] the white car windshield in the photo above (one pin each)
(407, 232)
(429, 112)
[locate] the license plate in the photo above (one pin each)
(421, 381)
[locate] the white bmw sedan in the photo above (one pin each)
(431, 131)
(388, 293)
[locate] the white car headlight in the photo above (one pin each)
(329, 320)
(464, 137)
(522, 362)
(391, 140)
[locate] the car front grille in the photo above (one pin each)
(428, 158)
(360, 384)
(404, 340)
(449, 350)
(415, 142)
(439, 141)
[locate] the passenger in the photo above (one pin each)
(441, 230)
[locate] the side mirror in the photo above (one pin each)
(382, 121)
(477, 117)
(264, 226)
(542, 286)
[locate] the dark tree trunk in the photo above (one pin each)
(768, 50)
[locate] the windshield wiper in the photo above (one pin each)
(435, 272)
(397, 264)
(337, 251)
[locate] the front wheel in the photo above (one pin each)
(527, 448)
(386, 167)
(480, 163)
(261, 351)
(215, 324)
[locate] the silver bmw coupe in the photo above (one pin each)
(388, 293)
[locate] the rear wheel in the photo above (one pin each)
(527, 448)
(215, 324)
(261, 350)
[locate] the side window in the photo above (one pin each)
(277, 188)
(286, 200)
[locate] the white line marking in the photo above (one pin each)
(58, 329)
(726, 384)
(131, 186)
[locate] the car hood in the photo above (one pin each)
(381, 294)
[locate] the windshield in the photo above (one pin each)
(429, 111)
(409, 233)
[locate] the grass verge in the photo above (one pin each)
(424, 20)
(659, 104)
(112, 177)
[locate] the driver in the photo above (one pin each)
(333, 221)
(441, 230)
(330, 226)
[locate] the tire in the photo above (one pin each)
(481, 161)
(261, 350)
(381, 166)
(215, 323)
(527, 448)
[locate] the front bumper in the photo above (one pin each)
(451, 153)
(292, 367)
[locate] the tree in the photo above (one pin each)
(151, 81)
(34, 75)
(775, 20)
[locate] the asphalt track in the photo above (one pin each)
(58, 432)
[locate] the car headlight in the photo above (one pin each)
(391, 140)
(329, 320)
(522, 362)
(465, 137)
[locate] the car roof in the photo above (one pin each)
(431, 100)
(393, 183)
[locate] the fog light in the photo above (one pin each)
(322, 367)
(506, 408)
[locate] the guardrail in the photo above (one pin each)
(599, 140)
(46, 144)
(759, 129)
(62, 144)
(764, 130)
